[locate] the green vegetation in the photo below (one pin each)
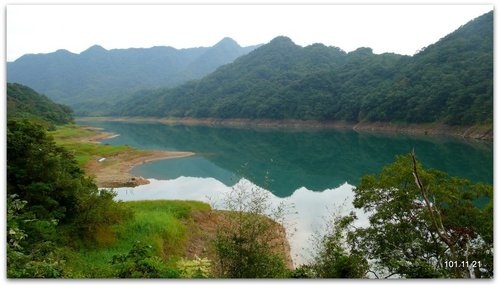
(59, 225)
(102, 76)
(65, 133)
(139, 262)
(51, 203)
(422, 224)
(248, 244)
(332, 259)
(74, 138)
(158, 230)
(449, 82)
(23, 102)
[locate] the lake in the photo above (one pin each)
(313, 171)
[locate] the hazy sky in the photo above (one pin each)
(402, 29)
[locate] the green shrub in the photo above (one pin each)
(248, 243)
(140, 263)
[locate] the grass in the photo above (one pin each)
(75, 139)
(84, 152)
(72, 133)
(163, 224)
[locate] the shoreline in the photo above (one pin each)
(478, 132)
(114, 170)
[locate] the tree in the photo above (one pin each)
(333, 259)
(249, 244)
(42, 173)
(51, 203)
(40, 260)
(424, 223)
(23, 102)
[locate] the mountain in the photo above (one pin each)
(24, 102)
(94, 79)
(450, 81)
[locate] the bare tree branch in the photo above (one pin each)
(434, 214)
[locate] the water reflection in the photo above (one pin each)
(314, 170)
(282, 161)
(312, 208)
(194, 166)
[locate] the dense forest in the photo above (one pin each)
(94, 79)
(450, 81)
(24, 102)
(60, 225)
(422, 223)
(51, 204)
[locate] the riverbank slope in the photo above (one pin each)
(482, 132)
(175, 230)
(110, 165)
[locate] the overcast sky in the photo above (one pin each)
(402, 29)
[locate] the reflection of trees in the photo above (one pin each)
(316, 160)
(195, 166)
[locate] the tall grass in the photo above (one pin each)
(163, 224)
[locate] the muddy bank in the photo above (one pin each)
(471, 132)
(114, 171)
(482, 132)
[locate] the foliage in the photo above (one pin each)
(24, 102)
(41, 260)
(140, 263)
(164, 225)
(248, 243)
(49, 179)
(333, 260)
(102, 76)
(42, 173)
(420, 219)
(75, 139)
(450, 81)
(161, 223)
(302, 272)
(196, 268)
(55, 203)
(97, 212)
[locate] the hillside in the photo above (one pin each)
(24, 102)
(92, 80)
(449, 82)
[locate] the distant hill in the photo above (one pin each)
(24, 102)
(450, 81)
(92, 80)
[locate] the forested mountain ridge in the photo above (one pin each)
(92, 80)
(450, 81)
(24, 102)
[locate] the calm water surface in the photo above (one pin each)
(312, 170)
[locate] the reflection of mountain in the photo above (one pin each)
(316, 160)
(195, 166)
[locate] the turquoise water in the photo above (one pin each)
(312, 170)
(284, 160)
